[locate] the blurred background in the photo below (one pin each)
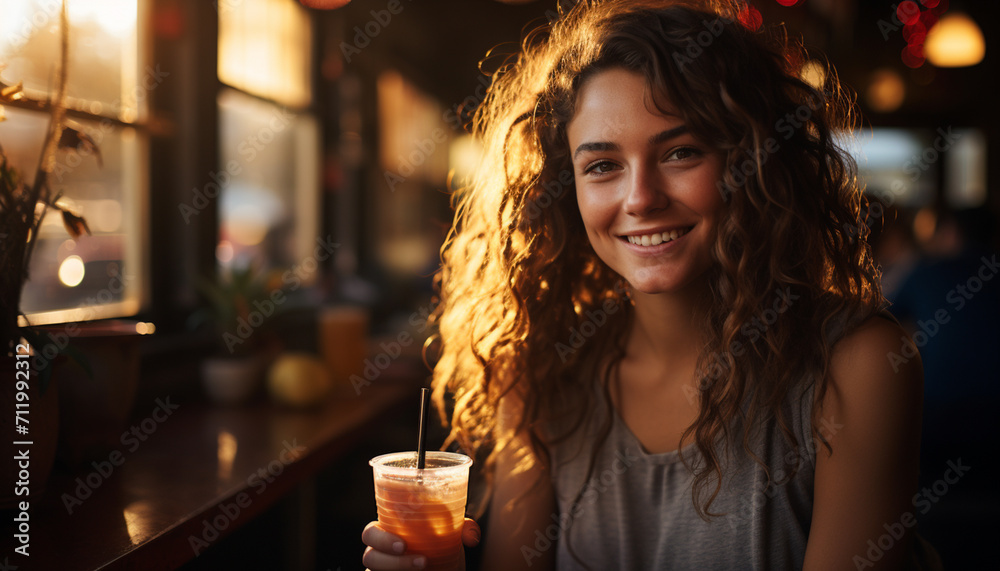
(274, 180)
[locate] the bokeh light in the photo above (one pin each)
(751, 19)
(71, 271)
(913, 56)
(813, 73)
(886, 91)
(956, 41)
(928, 19)
(915, 33)
(908, 12)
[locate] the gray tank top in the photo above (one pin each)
(637, 513)
(637, 510)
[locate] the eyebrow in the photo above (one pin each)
(654, 140)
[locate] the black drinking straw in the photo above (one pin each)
(421, 451)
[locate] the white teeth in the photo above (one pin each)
(656, 239)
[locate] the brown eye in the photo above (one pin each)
(684, 153)
(600, 167)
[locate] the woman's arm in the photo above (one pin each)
(864, 489)
(510, 535)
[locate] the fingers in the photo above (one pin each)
(386, 562)
(385, 551)
(381, 540)
(471, 533)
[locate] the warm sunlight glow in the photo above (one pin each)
(71, 271)
(116, 17)
(265, 48)
(104, 215)
(813, 73)
(464, 155)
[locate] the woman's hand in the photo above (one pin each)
(387, 551)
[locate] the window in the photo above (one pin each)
(101, 275)
(892, 167)
(268, 141)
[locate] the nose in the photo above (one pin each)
(646, 193)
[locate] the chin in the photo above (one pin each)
(652, 281)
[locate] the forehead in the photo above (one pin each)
(616, 101)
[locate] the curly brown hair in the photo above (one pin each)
(519, 274)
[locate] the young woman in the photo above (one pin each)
(660, 321)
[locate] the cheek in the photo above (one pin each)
(706, 198)
(594, 209)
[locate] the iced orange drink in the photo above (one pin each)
(424, 507)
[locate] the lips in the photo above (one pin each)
(656, 238)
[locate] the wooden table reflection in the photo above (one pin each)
(203, 473)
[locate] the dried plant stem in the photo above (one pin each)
(20, 213)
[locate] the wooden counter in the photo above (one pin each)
(203, 472)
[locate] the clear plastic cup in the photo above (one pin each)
(424, 507)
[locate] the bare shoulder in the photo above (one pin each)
(868, 474)
(875, 400)
(876, 361)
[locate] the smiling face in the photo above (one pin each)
(645, 186)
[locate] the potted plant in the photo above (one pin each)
(239, 307)
(23, 205)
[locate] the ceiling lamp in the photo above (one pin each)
(955, 41)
